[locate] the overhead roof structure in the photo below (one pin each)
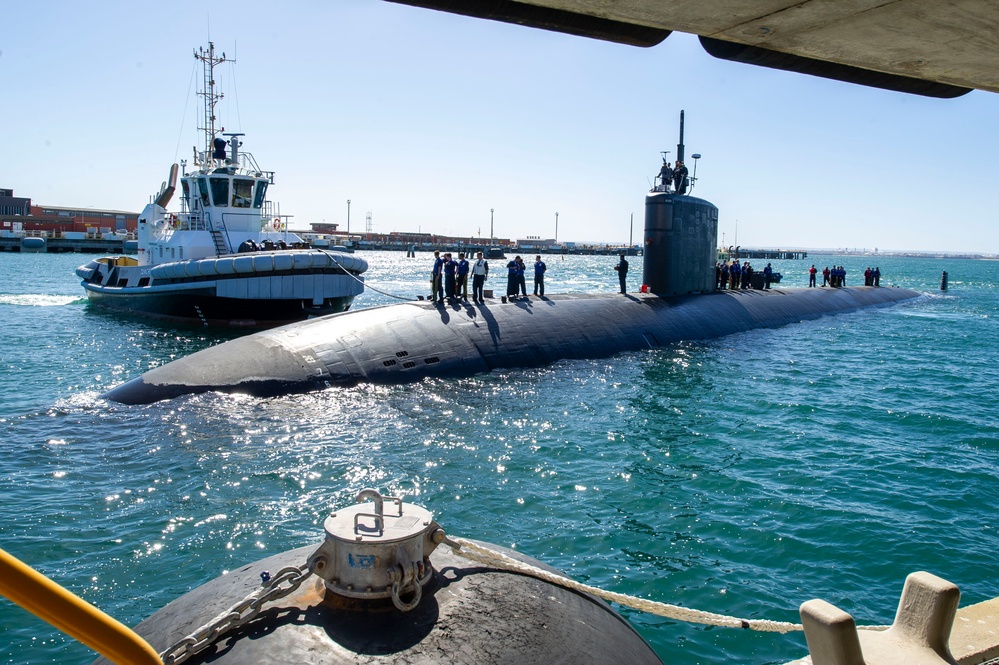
(937, 48)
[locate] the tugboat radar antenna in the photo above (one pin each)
(209, 60)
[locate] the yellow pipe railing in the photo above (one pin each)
(71, 614)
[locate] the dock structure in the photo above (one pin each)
(761, 253)
(59, 245)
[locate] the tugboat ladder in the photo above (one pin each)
(220, 246)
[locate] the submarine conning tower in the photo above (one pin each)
(681, 232)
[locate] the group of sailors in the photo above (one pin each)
(835, 277)
(872, 277)
(675, 175)
(733, 276)
(517, 283)
(449, 277)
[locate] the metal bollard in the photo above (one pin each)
(918, 636)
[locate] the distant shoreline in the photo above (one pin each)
(906, 254)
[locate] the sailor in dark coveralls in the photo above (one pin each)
(450, 270)
(511, 278)
(436, 288)
(680, 178)
(622, 273)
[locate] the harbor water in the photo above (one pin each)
(741, 476)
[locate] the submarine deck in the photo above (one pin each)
(406, 342)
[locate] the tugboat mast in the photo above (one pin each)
(209, 60)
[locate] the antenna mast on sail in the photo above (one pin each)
(209, 60)
(679, 146)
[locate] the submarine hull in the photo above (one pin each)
(407, 342)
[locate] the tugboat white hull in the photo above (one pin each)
(258, 290)
(227, 258)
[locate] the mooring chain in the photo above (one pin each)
(475, 552)
(235, 616)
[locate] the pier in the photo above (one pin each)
(760, 253)
(59, 245)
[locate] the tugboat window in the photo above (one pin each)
(187, 190)
(258, 197)
(220, 192)
(203, 188)
(242, 190)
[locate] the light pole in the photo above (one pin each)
(491, 226)
(348, 216)
(556, 228)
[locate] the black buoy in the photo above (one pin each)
(943, 281)
(383, 588)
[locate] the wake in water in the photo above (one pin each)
(38, 299)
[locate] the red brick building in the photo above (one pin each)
(56, 220)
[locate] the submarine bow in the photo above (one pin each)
(408, 342)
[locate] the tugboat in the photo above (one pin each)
(226, 258)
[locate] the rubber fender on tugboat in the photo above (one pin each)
(191, 268)
(469, 613)
(206, 267)
(320, 260)
(283, 261)
(263, 262)
(86, 271)
(224, 266)
(243, 264)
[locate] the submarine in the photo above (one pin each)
(410, 341)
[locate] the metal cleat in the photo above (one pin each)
(918, 636)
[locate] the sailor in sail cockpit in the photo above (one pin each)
(665, 176)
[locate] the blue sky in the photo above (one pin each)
(429, 120)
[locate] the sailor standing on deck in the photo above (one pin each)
(521, 284)
(511, 278)
(539, 276)
(480, 270)
(436, 289)
(622, 273)
(450, 275)
(735, 274)
(462, 287)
